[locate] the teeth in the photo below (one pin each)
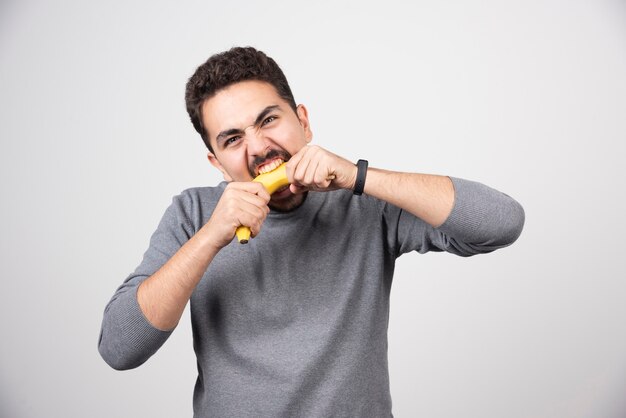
(271, 166)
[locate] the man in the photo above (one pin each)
(294, 323)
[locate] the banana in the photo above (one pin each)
(272, 181)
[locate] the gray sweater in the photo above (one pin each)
(294, 324)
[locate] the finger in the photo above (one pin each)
(319, 174)
(251, 187)
(234, 198)
(253, 192)
(297, 189)
(251, 216)
(300, 172)
(310, 174)
(322, 178)
(240, 207)
(293, 163)
(260, 200)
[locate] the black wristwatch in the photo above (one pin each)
(361, 172)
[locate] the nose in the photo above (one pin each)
(256, 141)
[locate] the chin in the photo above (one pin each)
(288, 203)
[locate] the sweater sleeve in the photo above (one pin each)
(481, 221)
(127, 339)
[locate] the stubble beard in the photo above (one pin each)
(289, 203)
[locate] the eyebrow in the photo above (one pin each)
(222, 135)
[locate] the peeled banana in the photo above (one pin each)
(272, 181)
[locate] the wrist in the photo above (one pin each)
(211, 238)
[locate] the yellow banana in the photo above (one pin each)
(272, 181)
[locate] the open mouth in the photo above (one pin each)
(269, 166)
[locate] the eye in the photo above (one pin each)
(269, 119)
(231, 140)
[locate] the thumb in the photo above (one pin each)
(296, 189)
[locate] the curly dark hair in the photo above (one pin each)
(227, 68)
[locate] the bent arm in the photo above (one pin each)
(466, 217)
(148, 306)
(144, 311)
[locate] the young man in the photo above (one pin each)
(294, 323)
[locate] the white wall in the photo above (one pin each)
(526, 96)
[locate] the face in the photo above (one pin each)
(251, 128)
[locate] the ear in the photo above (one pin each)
(303, 117)
(215, 163)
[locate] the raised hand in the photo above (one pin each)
(314, 168)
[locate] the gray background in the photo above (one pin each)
(526, 96)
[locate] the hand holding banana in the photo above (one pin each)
(312, 168)
(272, 181)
